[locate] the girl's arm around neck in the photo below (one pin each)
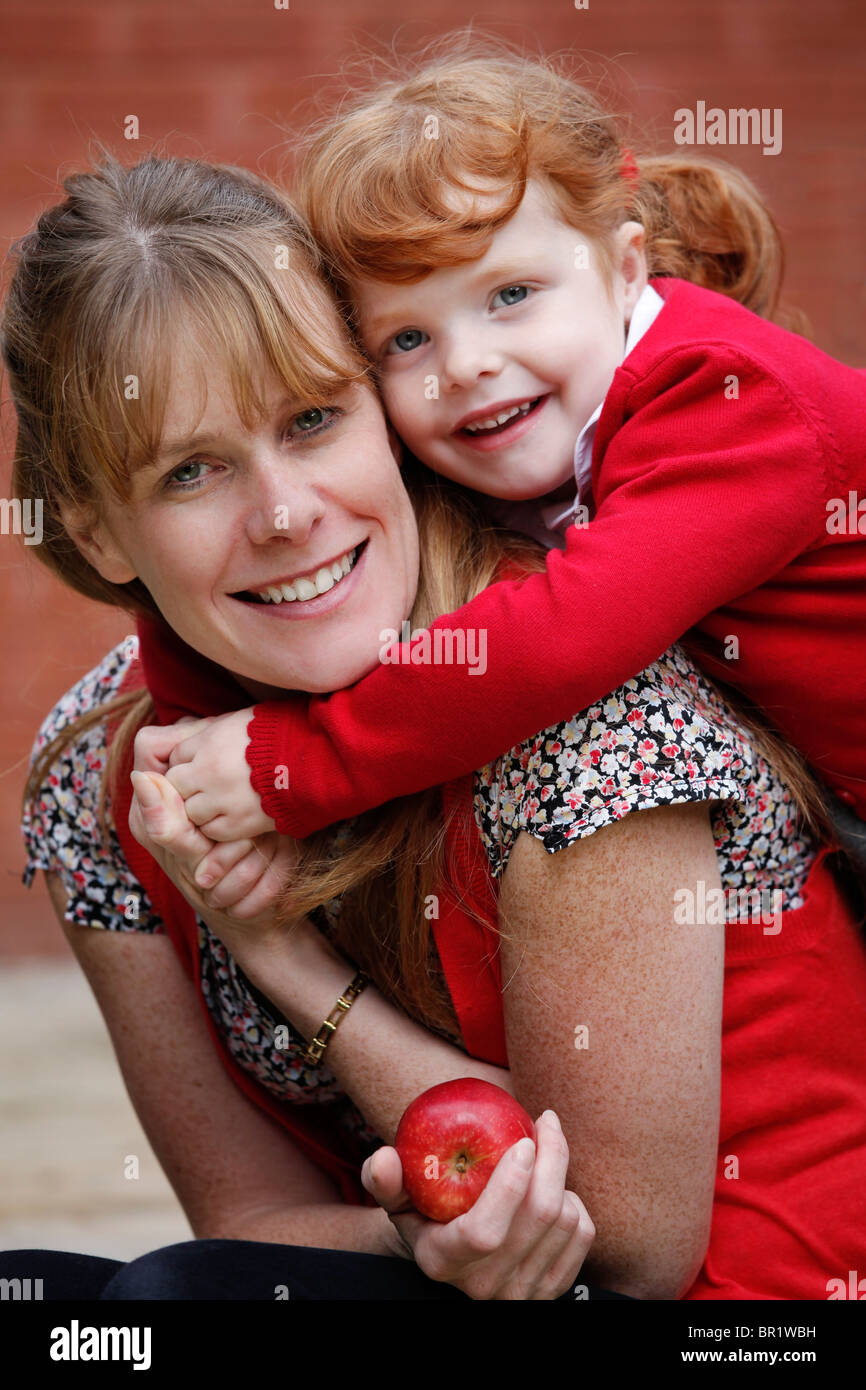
(686, 469)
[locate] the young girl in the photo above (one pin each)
(588, 343)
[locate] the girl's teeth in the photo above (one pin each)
(311, 586)
(496, 420)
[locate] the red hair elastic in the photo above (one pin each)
(628, 168)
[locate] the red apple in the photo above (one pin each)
(451, 1138)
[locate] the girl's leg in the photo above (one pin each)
(256, 1270)
(54, 1275)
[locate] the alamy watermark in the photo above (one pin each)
(738, 126)
(22, 518)
(440, 646)
(846, 516)
(705, 906)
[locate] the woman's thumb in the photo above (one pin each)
(146, 790)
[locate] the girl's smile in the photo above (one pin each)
(505, 423)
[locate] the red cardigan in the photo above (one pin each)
(712, 515)
(181, 682)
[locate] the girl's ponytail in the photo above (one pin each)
(707, 223)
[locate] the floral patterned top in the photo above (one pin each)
(664, 737)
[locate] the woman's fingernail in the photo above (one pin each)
(523, 1153)
(147, 793)
(204, 880)
(552, 1119)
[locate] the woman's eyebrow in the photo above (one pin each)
(182, 444)
(173, 448)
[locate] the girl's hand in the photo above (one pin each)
(208, 766)
(240, 908)
(525, 1238)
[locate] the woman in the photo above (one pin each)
(621, 1028)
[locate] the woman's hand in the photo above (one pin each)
(525, 1238)
(240, 908)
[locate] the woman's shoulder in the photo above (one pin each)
(60, 822)
(91, 690)
(662, 738)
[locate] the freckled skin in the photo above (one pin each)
(640, 1105)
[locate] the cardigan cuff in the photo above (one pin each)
(269, 773)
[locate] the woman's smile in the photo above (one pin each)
(332, 584)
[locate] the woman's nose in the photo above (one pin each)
(282, 502)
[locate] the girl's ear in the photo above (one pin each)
(93, 539)
(630, 263)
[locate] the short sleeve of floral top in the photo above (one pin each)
(62, 835)
(663, 737)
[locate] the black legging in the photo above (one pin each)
(233, 1269)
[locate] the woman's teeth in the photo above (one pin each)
(309, 585)
(496, 421)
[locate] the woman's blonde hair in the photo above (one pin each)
(94, 299)
(377, 179)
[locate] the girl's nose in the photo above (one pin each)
(282, 502)
(467, 357)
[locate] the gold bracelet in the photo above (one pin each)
(316, 1049)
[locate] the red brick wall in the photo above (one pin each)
(218, 77)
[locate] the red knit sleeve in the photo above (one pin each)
(702, 496)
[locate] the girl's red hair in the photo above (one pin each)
(378, 180)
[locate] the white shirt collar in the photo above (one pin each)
(560, 514)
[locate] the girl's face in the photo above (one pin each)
(309, 502)
(489, 370)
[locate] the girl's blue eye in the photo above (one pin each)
(512, 294)
(407, 340)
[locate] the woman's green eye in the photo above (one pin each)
(193, 463)
(316, 419)
(407, 341)
(310, 419)
(514, 294)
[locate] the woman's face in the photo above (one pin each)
(304, 495)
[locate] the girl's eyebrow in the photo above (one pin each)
(504, 272)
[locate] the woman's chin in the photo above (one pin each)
(340, 677)
(324, 680)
